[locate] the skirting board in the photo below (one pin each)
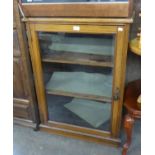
(24, 122)
(81, 136)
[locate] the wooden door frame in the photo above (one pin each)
(119, 77)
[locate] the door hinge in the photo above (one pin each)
(116, 96)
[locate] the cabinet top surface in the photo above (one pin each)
(77, 8)
(113, 21)
(71, 1)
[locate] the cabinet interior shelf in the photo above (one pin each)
(81, 85)
(79, 95)
(78, 58)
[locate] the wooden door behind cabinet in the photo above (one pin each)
(18, 79)
(24, 100)
(21, 103)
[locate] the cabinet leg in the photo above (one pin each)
(36, 127)
(128, 125)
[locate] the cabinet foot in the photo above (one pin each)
(128, 126)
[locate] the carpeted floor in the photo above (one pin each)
(28, 142)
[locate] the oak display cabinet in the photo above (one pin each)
(79, 67)
(78, 53)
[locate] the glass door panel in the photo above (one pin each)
(94, 50)
(79, 95)
(81, 112)
(78, 77)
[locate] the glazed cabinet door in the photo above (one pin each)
(78, 76)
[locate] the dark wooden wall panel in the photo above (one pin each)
(137, 20)
(24, 101)
(18, 86)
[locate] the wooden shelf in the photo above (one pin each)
(78, 58)
(78, 95)
(92, 86)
